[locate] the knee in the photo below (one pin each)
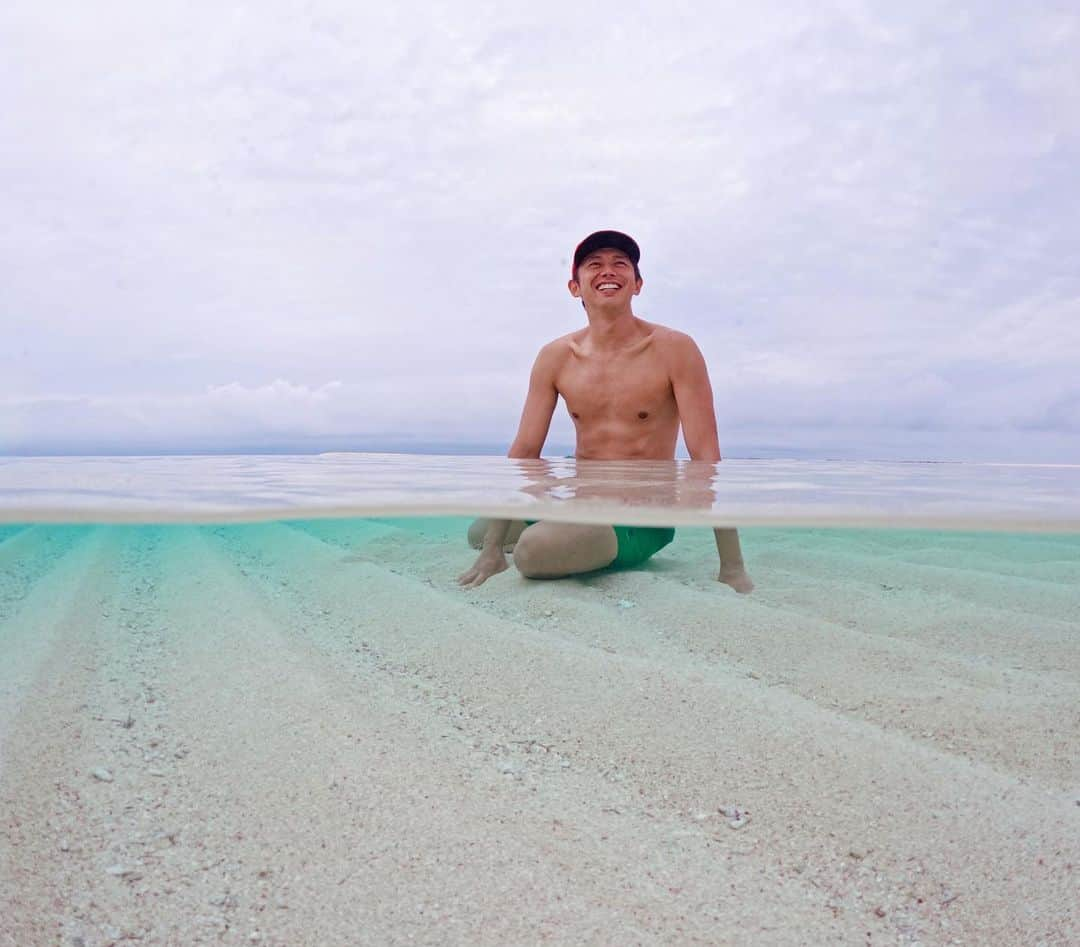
(528, 557)
(476, 533)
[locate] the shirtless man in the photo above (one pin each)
(628, 385)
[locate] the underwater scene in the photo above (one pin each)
(242, 732)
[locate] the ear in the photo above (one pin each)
(639, 284)
(575, 288)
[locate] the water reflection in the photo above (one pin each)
(665, 484)
(673, 493)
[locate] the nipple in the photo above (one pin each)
(643, 415)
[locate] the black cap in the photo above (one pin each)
(607, 240)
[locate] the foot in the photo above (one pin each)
(737, 577)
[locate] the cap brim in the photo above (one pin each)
(607, 240)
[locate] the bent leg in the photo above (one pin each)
(554, 550)
(479, 527)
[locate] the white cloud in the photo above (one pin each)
(865, 214)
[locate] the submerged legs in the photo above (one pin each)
(479, 527)
(553, 550)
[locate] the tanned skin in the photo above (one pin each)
(629, 385)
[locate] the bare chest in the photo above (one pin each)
(623, 388)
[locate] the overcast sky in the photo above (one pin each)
(319, 225)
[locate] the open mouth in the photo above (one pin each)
(606, 286)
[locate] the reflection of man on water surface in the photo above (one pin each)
(628, 385)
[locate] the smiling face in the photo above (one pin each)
(605, 278)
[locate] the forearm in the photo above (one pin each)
(523, 448)
(727, 545)
(727, 539)
(495, 537)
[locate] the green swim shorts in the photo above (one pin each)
(639, 543)
(636, 543)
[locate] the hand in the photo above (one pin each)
(487, 564)
(737, 577)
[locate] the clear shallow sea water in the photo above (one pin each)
(980, 560)
(1036, 497)
(239, 643)
(928, 535)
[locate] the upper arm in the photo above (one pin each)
(539, 405)
(694, 397)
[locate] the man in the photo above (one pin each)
(628, 385)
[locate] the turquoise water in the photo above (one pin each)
(986, 605)
(301, 725)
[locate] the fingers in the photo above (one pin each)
(472, 579)
(483, 569)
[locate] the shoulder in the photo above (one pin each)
(681, 356)
(552, 355)
(672, 342)
(564, 345)
(563, 342)
(558, 348)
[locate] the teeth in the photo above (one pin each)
(607, 286)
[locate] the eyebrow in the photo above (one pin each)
(595, 257)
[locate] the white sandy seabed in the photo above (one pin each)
(306, 733)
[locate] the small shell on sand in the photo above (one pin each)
(102, 774)
(736, 817)
(120, 871)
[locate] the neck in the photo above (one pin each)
(612, 328)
